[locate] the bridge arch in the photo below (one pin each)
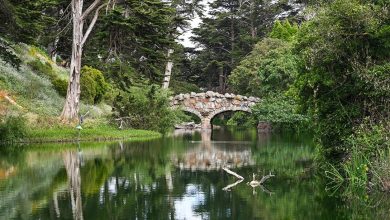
(219, 111)
(193, 111)
(207, 105)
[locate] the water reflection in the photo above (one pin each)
(209, 155)
(144, 180)
(72, 165)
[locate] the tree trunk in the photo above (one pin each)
(221, 80)
(70, 111)
(168, 70)
(253, 17)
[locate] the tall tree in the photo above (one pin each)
(185, 10)
(129, 45)
(228, 35)
(71, 108)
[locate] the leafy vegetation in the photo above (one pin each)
(13, 128)
(93, 85)
(145, 108)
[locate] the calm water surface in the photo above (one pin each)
(177, 177)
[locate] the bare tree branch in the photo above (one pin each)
(227, 188)
(95, 17)
(233, 173)
(90, 9)
(264, 178)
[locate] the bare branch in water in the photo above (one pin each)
(227, 188)
(232, 173)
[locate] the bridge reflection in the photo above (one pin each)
(207, 155)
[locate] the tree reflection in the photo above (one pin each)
(72, 165)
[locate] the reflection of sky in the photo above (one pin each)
(184, 206)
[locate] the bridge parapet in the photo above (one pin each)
(207, 105)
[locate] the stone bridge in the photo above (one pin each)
(209, 104)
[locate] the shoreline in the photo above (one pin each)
(70, 135)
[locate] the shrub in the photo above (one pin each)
(146, 108)
(279, 110)
(61, 86)
(44, 69)
(93, 85)
(12, 127)
(88, 89)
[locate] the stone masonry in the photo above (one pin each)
(209, 104)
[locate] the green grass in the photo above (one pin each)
(100, 133)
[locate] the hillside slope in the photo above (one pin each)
(37, 88)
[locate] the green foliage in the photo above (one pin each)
(145, 108)
(138, 40)
(229, 35)
(183, 87)
(7, 54)
(12, 128)
(25, 21)
(61, 86)
(367, 160)
(341, 54)
(284, 31)
(93, 85)
(32, 90)
(270, 68)
(44, 69)
(278, 110)
(242, 119)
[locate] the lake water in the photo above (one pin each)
(176, 177)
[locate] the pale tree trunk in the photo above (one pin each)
(221, 78)
(52, 48)
(253, 27)
(168, 70)
(70, 111)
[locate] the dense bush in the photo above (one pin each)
(93, 85)
(12, 127)
(146, 108)
(343, 74)
(279, 110)
(61, 86)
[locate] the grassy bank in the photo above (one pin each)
(101, 133)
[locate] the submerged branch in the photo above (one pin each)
(227, 188)
(233, 173)
(264, 178)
